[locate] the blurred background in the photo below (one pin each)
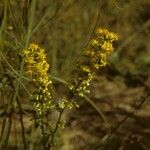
(120, 90)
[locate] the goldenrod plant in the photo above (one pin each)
(94, 57)
(36, 66)
(35, 62)
(53, 55)
(32, 68)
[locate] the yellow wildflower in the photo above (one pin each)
(94, 57)
(36, 66)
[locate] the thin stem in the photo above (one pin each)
(3, 128)
(55, 130)
(98, 110)
(22, 125)
(3, 24)
(16, 27)
(8, 131)
(41, 22)
(86, 98)
(31, 20)
(96, 22)
(4, 142)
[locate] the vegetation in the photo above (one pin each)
(74, 75)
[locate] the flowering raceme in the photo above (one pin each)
(37, 67)
(94, 57)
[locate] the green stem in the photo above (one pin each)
(3, 24)
(98, 110)
(55, 130)
(22, 124)
(30, 21)
(87, 99)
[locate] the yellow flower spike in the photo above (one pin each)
(94, 57)
(36, 66)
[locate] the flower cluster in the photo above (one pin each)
(36, 66)
(94, 57)
(64, 103)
